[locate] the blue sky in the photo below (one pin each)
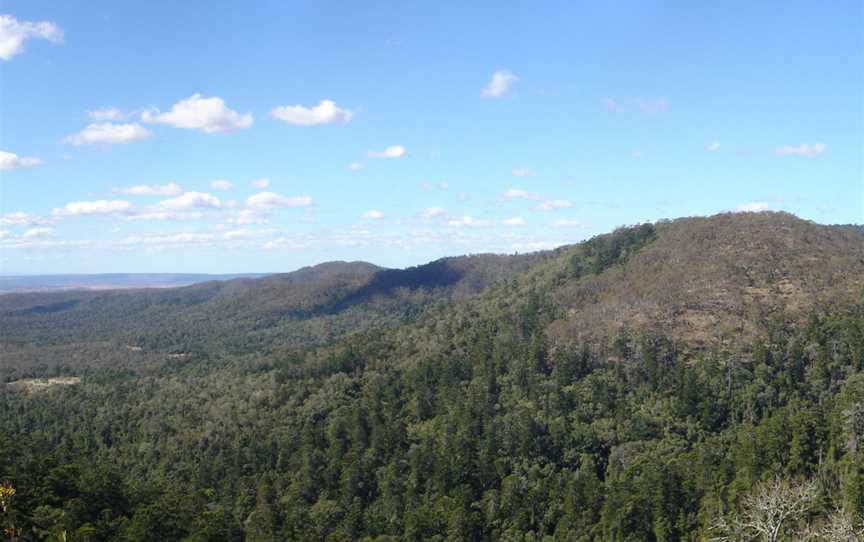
(263, 136)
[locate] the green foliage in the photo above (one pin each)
(470, 418)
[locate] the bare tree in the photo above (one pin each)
(768, 512)
(842, 526)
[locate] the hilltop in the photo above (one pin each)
(719, 278)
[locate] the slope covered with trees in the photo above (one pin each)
(52, 333)
(563, 397)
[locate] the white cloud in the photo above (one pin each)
(13, 34)
(162, 214)
(515, 193)
(355, 166)
(108, 133)
(282, 242)
(191, 200)
(459, 221)
(268, 200)
(10, 160)
(636, 153)
(100, 207)
(249, 216)
(175, 240)
(221, 184)
(373, 215)
(22, 219)
(209, 115)
(326, 112)
(515, 221)
(554, 204)
(107, 114)
(810, 151)
(568, 224)
(754, 207)
(237, 234)
(522, 172)
(499, 85)
(170, 189)
(433, 212)
(37, 232)
(714, 146)
(263, 182)
(394, 151)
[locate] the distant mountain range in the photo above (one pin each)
(108, 281)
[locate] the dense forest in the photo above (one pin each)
(696, 379)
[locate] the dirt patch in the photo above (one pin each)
(31, 385)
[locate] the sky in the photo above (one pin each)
(263, 136)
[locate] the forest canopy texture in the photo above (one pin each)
(696, 379)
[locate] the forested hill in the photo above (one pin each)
(311, 306)
(661, 382)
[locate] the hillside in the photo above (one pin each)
(700, 281)
(722, 278)
(646, 385)
(311, 306)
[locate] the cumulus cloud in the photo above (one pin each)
(515, 193)
(804, 149)
(553, 205)
(208, 115)
(433, 212)
(13, 34)
(522, 172)
(269, 200)
(249, 216)
(263, 182)
(177, 240)
(283, 242)
(459, 221)
(163, 214)
(107, 114)
(10, 160)
(237, 234)
(170, 189)
(373, 215)
(714, 146)
(221, 184)
(37, 232)
(100, 207)
(355, 166)
(108, 133)
(499, 85)
(326, 112)
(22, 219)
(394, 151)
(191, 200)
(753, 207)
(515, 221)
